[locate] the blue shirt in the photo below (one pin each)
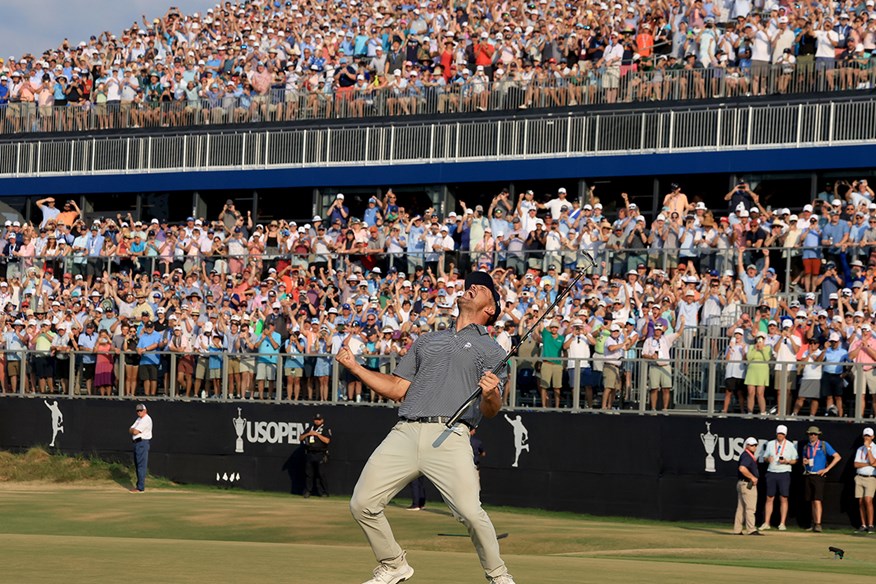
(147, 340)
(267, 351)
(835, 233)
(216, 356)
(13, 345)
(86, 343)
(818, 454)
(812, 244)
(833, 358)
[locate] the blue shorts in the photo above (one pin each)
(778, 482)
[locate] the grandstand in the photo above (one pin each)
(336, 174)
(268, 62)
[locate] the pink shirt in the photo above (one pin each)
(862, 356)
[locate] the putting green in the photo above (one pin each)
(98, 532)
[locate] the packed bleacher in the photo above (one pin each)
(224, 306)
(277, 61)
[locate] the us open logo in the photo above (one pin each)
(263, 432)
(728, 448)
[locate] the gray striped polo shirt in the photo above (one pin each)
(444, 368)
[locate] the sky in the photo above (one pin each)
(32, 26)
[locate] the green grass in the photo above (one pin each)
(92, 530)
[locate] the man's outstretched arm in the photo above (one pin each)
(389, 386)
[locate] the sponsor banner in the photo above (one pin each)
(664, 467)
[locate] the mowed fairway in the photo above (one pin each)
(98, 532)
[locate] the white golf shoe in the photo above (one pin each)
(387, 574)
(503, 579)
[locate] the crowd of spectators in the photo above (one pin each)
(278, 60)
(111, 299)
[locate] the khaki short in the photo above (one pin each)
(13, 368)
(247, 365)
(869, 384)
(659, 376)
(201, 368)
(551, 375)
(865, 487)
(294, 372)
(266, 372)
(611, 377)
(233, 366)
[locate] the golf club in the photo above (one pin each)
(587, 261)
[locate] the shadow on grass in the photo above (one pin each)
(712, 530)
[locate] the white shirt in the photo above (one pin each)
(556, 205)
(579, 349)
(614, 54)
(861, 456)
(785, 450)
(760, 47)
(659, 348)
(143, 424)
(823, 45)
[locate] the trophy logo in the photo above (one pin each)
(239, 426)
(710, 441)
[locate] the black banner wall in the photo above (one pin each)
(661, 467)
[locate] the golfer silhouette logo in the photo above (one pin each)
(57, 420)
(521, 437)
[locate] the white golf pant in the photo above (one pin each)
(409, 450)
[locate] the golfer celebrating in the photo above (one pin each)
(433, 378)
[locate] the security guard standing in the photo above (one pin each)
(316, 443)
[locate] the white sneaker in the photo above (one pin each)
(782, 527)
(386, 574)
(503, 579)
(765, 527)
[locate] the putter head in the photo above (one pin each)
(838, 554)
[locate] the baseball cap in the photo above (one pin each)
(484, 279)
(868, 432)
(140, 407)
(751, 441)
(781, 429)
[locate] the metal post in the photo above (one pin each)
(71, 374)
(122, 360)
(278, 382)
(643, 385)
(224, 376)
(671, 130)
(576, 386)
(512, 382)
(336, 374)
(718, 128)
(368, 143)
(22, 386)
(860, 386)
(712, 387)
(172, 373)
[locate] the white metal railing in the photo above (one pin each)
(729, 127)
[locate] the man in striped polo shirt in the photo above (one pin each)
(434, 377)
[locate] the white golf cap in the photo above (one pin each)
(751, 441)
(868, 432)
(781, 429)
